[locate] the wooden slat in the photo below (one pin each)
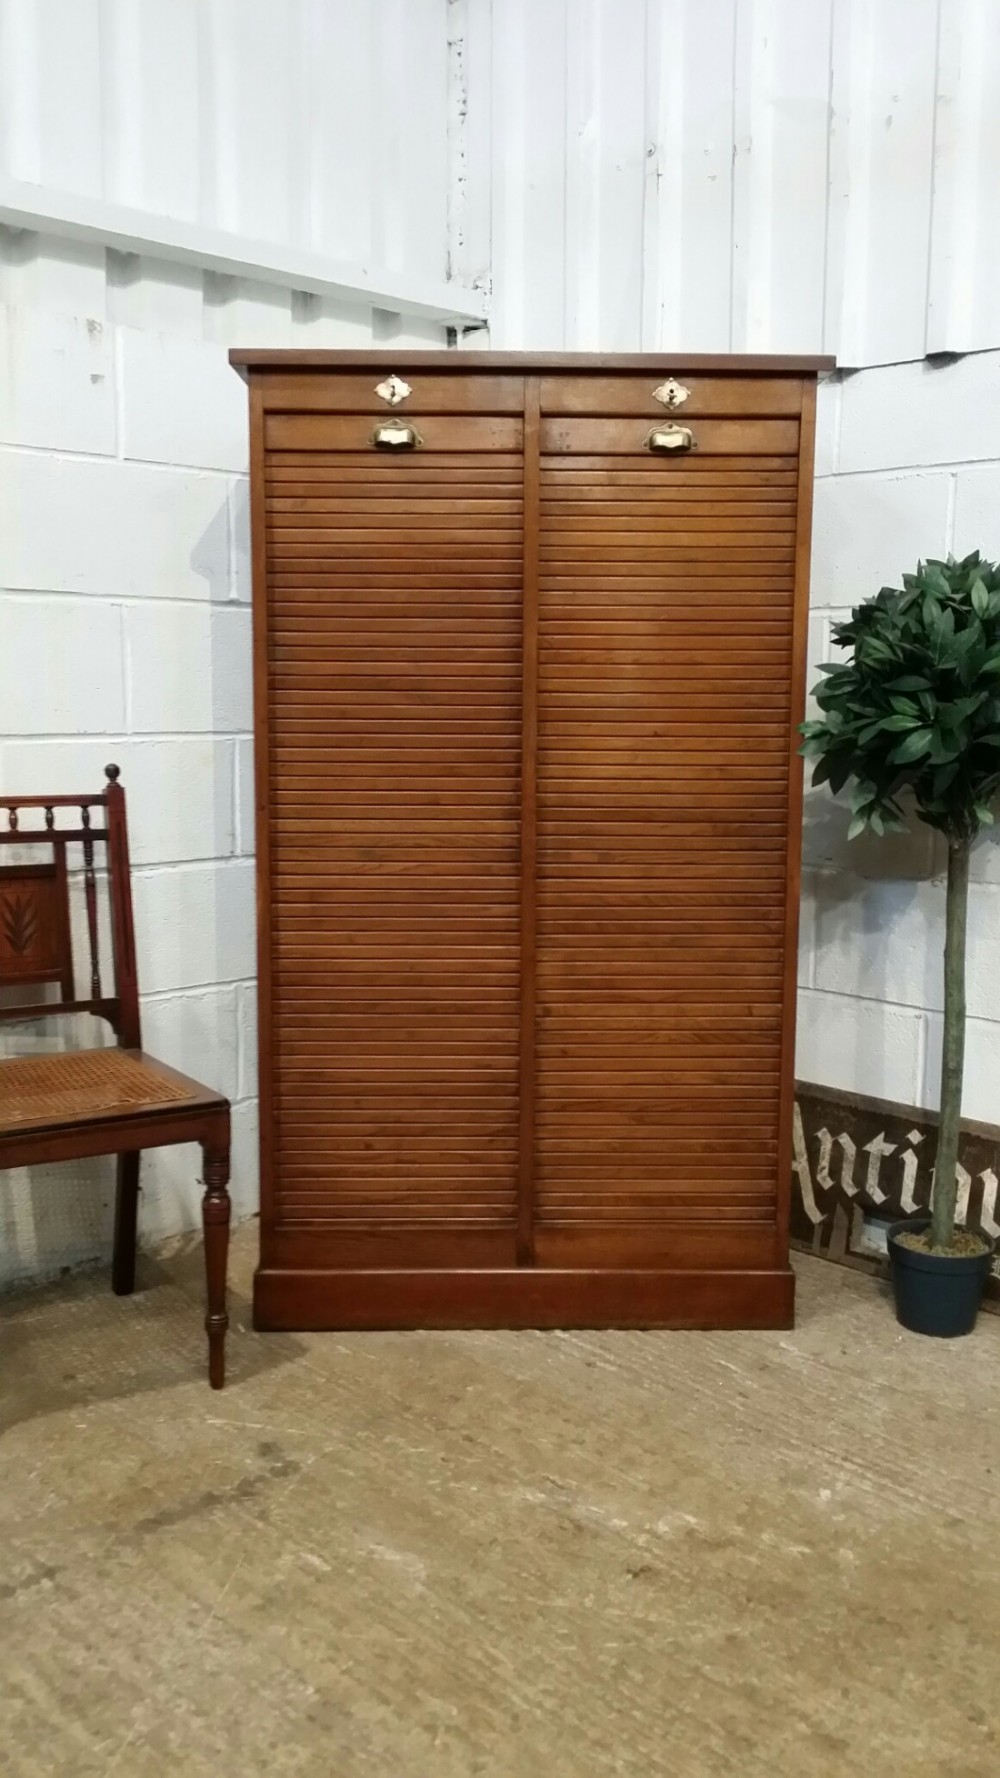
(302, 392)
(712, 438)
(747, 468)
(737, 396)
(353, 433)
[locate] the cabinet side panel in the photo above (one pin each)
(793, 884)
(262, 783)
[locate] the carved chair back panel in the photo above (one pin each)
(66, 908)
(35, 941)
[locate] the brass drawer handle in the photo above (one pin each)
(395, 435)
(669, 438)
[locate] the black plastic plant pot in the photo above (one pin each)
(936, 1293)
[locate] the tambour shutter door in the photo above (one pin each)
(394, 724)
(665, 664)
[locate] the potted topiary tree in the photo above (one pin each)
(913, 719)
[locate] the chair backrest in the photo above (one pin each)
(36, 944)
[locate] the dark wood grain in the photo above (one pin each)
(531, 1296)
(35, 940)
(215, 1212)
(126, 1222)
(122, 917)
(90, 898)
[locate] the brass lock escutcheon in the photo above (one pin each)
(393, 390)
(671, 393)
(669, 438)
(396, 435)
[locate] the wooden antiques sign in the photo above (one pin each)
(860, 1164)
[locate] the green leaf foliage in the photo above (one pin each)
(915, 707)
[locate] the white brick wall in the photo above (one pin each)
(908, 465)
(104, 526)
(180, 402)
(125, 635)
(57, 391)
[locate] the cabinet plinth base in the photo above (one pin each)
(303, 1301)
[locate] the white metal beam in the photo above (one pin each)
(77, 218)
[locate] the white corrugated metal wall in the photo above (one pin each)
(285, 133)
(310, 122)
(735, 175)
(724, 175)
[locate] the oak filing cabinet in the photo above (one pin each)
(529, 651)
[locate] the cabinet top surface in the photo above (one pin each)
(247, 359)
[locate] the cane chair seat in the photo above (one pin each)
(50, 1091)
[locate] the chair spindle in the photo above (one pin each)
(90, 891)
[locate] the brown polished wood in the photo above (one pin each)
(76, 1103)
(264, 358)
(528, 803)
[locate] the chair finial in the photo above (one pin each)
(113, 772)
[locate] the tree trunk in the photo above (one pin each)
(953, 1046)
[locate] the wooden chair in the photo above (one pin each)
(99, 1101)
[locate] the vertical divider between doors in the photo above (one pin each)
(529, 828)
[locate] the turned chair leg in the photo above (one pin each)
(215, 1209)
(126, 1214)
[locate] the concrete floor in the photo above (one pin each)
(514, 1555)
